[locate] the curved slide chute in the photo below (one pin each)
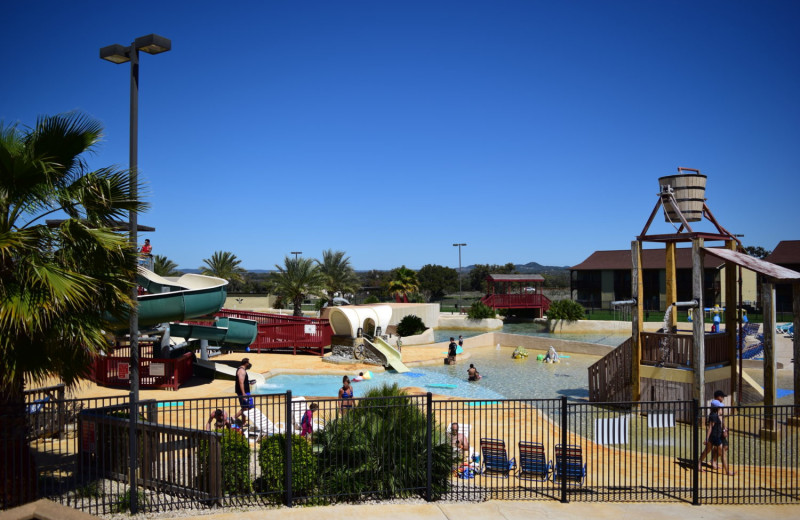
(392, 356)
(190, 296)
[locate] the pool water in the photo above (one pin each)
(503, 377)
(534, 329)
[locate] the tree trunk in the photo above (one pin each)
(17, 467)
(298, 307)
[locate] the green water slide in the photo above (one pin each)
(191, 296)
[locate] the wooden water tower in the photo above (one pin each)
(672, 370)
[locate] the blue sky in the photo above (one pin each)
(531, 130)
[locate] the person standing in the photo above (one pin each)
(346, 395)
(461, 343)
(242, 387)
(451, 352)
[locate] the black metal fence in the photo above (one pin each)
(281, 450)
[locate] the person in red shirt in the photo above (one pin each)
(147, 249)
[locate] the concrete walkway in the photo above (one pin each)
(516, 510)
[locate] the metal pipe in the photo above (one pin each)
(625, 302)
(690, 303)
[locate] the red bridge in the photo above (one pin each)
(516, 291)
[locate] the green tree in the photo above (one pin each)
(163, 266)
(437, 280)
(380, 448)
(61, 283)
(478, 274)
(757, 251)
(225, 265)
(339, 275)
(296, 279)
(403, 282)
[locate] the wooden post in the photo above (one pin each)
(672, 286)
(731, 304)
(768, 430)
(698, 324)
(637, 316)
(795, 420)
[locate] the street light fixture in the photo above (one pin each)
(295, 253)
(459, 274)
(151, 44)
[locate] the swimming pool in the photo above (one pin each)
(503, 377)
(534, 329)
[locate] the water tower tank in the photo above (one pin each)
(689, 191)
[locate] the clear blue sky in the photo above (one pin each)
(531, 130)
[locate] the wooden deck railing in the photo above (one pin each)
(168, 374)
(676, 349)
(610, 376)
(278, 331)
(517, 301)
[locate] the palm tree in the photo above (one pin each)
(58, 279)
(163, 266)
(404, 282)
(296, 279)
(225, 265)
(339, 275)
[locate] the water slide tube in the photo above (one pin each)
(176, 299)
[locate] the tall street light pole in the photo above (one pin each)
(459, 274)
(295, 253)
(151, 44)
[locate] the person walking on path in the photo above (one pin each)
(714, 438)
(242, 387)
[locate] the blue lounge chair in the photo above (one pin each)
(495, 458)
(574, 471)
(533, 465)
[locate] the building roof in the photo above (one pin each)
(516, 277)
(651, 259)
(786, 252)
(763, 267)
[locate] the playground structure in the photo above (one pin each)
(167, 337)
(358, 333)
(676, 365)
(516, 291)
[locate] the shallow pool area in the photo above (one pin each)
(503, 377)
(534, 329)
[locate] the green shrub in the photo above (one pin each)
(567, 310)
(272, 460)
(371, 299)
(410, 325)
(235, 462)
(379, 449)
(480, 311)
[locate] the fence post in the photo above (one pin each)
(429, 443)
(695, 453)
(564, 426)
(288, 423)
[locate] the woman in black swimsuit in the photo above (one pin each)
(346, 394)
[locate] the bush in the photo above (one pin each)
(567, 310)
(379, 449)
(272, 460)
(480, 311)
(235, 462)
(410, 326)
(371, 299)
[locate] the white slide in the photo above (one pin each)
(392, 355)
